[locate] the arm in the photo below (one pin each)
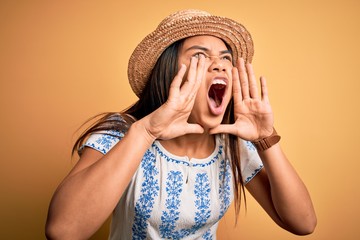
(90, 192)
(282, 194)
(277, 187)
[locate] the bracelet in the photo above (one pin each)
(267, 142)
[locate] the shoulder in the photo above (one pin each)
(111, 131)
(103, 141)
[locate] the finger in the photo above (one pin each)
(223, 128)
(200, 68)
(188, 84)
(236, 85)
(200, 73)
(194, 128)
(192, 71)
(179, 77)
(176, 83)
(244, 82)
(253, 89)
(195, 75)
(264, 90)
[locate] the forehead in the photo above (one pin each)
(209, 42)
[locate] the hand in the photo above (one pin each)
(170, 120)
(253, 115)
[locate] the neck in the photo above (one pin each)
(191, 145)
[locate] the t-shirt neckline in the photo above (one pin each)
(192, 161)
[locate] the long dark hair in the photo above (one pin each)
(155, 94)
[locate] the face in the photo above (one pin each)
(216, 87)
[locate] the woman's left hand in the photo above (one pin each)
(253, 115)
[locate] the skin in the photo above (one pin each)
(185, 126)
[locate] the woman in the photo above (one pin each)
(170, 165)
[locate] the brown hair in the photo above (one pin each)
(155, 94)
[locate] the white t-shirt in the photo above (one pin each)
(173, 197)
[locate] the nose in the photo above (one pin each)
(217, 65)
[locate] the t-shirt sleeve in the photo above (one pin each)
(103, 141)
(251, 163)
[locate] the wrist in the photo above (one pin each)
(267, 142)
(140, 127)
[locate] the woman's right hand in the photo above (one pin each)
(171, 119)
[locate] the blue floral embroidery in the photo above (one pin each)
(169, 159)
(253, 174)
(103, 142)
(106, 141)
(202, 203)
(115, 133)
(171, 215)
(250, 146)
(149, 190)
(224, 189)
(207, 235)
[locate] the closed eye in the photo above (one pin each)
(226, 57)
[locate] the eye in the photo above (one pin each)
(227, 57)
(197, 55)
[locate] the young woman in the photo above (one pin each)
(170, 165)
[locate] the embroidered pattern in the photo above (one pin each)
(250, 146)
(169, 159)
(149, 190)
(171, 215)
(202, 203)
(253, 174)
(103, 142)
(207, 235)
(224, 188)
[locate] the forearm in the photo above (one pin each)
(289, 195)
(86, 198)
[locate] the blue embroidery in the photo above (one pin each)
(169, 159)
(250, 146)
(105, 141)
(253, 174)
(224, 189)
(149, 189)
(171, 215)
(207, 235)
(202, 202)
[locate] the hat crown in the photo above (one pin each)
(182, 15)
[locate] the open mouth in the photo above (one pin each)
(216, 93)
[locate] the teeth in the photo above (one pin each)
(219, 81)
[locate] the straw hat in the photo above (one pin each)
(180, 25)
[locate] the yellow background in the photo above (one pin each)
(64, 61)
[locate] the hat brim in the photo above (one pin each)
(151, 47)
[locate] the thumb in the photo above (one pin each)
(223, 128)
(194, 128)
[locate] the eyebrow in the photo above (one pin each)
(206, 49)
